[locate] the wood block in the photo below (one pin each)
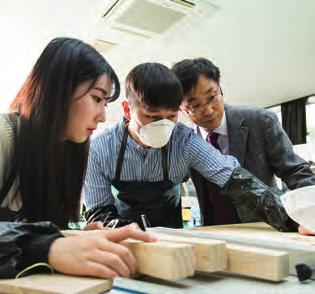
(301, 249)
(267, 264)
(54, 284)
(164, 260)
(210, 255)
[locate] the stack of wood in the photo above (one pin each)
(267, 264)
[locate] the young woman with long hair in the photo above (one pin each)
(44, 144)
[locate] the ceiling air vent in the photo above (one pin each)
(134, 21)
(146, 17)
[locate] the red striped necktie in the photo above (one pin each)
(223, 212)
(212, 138)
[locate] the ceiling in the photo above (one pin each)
(265, 49)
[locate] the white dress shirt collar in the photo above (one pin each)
(221, 129)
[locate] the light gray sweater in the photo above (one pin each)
(6, 150)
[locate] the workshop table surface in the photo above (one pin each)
(214, 283)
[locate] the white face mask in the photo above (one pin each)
(156, 134)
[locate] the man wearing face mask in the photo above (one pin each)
(147, 154)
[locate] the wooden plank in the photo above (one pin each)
(164, 260)
(256, 262)
(210, 255)
(54, 284)
(301, 249)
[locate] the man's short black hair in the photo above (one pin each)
(188, 71)
(155, 86)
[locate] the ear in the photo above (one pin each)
(184, 113)
(183, 110)
(126, 108)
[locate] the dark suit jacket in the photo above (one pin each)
(258, 141)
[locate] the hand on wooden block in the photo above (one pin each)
(96, 253)
(158, 259)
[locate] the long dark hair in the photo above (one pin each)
(51, 172)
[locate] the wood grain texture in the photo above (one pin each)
(301, 249)
(54, 284)
(164, 260)
(251, 261)
(267, 264)
(210, 255)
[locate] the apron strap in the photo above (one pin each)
(164, 163)
(122, 154)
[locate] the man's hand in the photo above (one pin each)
(305, 231)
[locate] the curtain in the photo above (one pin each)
(294, 120)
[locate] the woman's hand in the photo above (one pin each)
(97, 253)
(305, 231)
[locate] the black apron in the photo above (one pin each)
(157, 200)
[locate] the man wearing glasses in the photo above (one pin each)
(253, 135)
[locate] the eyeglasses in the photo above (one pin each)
(200, 107)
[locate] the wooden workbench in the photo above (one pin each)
(250, 234)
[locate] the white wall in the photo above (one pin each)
(27, 26)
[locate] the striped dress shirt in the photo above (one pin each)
(185, 150)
